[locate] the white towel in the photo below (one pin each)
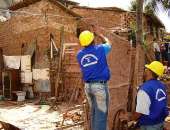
(26, 77)
(26, 63)
(12, 61)
(41, 74)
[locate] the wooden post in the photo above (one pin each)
(58, 78)
(139, 58)
(1, 59)
(1, 68)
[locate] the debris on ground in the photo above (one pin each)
(74, 117)
(28, 116)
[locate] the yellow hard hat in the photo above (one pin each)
(86, 37)
(156, 67)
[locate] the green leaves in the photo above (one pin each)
(150, 6)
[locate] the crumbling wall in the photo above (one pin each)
(120, 63)
(35, 23)
(40, 15)
(102, 17)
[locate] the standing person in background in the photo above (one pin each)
(156, 50)
(168, 54)
(163, 53)
(93, 63)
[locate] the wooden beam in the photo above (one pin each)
(60, 62)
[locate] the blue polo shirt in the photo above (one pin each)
(93, 62)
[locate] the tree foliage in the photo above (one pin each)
(133, 5)
(150, 5)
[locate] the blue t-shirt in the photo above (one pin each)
(93, 62)
(107, 48)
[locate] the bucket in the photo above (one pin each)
(21, 96)
(1, 97)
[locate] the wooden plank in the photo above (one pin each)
(70, 44)
(58, 78)
(69, 126)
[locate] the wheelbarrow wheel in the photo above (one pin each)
(119, 124)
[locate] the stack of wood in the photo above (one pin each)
(75, 116)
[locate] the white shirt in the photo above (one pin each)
(143, 103)
(156, 47)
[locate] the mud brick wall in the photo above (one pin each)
(102, 17)
(26, 28)
(119, 61)
(5, 35)
(130, 18)
(113, 19)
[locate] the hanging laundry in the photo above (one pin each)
(43, 85)
(26, 63)
(12, 61)
(41, 74)
(26, 77)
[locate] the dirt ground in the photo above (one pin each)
(28, 116)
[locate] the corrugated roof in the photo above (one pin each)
(26, 3)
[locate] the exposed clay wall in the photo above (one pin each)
(40, 20)
(120, 63)
(104, 18)
(23, 28)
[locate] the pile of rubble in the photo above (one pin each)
(30, 116)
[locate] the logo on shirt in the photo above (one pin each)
(88, 60)
(160, 95)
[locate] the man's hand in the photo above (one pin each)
(97, 32)
(126, 116)
(104, 39)
(130, 116)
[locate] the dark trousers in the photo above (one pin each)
(157, 56)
